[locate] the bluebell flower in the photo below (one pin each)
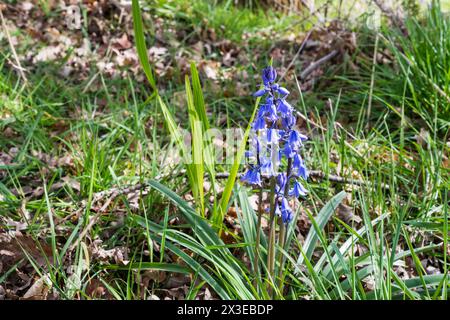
(289, 152)
(271, 112)
(298, 190)
(275, 87)
(255, 146)
(284, 108)
(269, 75)
(248, 154)
(259, 123)
(299, 167)
(267, 168)
(298, 162)
(261, 112)
(272, 136)
(288, 121)
(286, 211)
(280, 155)
(261, 92)
(296, 139)
(282, 91)
(281, 183)
(252, 177)
(269, 100)
(303, 172)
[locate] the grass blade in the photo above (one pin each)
(321, 220)
(140, 44)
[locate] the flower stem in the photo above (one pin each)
(258, 239)
(258, 227)
(282, 236)
(281, 241)
(272, 224)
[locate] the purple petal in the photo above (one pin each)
(260, 93)
(283, 91)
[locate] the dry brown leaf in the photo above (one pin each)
(118, 254)
(122, 42)
(39, 289)
(12, 247)
(155, 275)
(2, 292)
(211, 71)
(49, 53)
(227, 237)
(346, 214)
(97, 290)
(232, 212)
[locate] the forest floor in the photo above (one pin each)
(76, 121)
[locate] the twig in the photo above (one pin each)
(313, 66)
(338, 179)
(388, 12)
(320, 175)
(302, 46)
(113, 193)
(17, 65)
(315, 174)
(299, 114)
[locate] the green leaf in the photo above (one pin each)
(321, 220)
(140, 44)
(169, 267)
(235, 168)
(233, 278)
(197, 148)
(208, 146)
(199, 225)
(177, 137)
(199, 101)
(248, 221)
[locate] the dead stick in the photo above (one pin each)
(317, 174)
(313, 66)
(394, 17)
(302, 46)
(13, 50)
(113, 193)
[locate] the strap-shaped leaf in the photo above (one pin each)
(321, 220)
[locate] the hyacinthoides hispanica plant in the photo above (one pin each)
(274, 156)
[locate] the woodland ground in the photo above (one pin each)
(76, 120)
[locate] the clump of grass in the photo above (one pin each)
(410, 75)
(227, 20)
(423, 59)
